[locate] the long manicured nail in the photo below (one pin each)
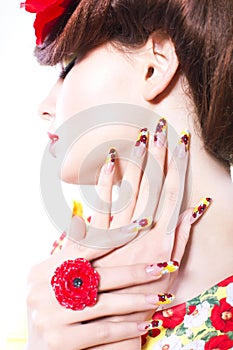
(160, 135)
(141, 143)
(183, 144)
(162, 268)
(137, 225)
(199, 210)
(146, 326)
(77, 209)
(110, 161)
(160, 299)
(57, 245)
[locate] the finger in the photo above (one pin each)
(128, 192)
(114, 238)
(101, 216)
(84, 249)
(172, 194)
(110, 304)
(131, 275)
(186, 219)
(153, 175)
(127, 344)
(173, 188)
(119, 277)
(104, 333)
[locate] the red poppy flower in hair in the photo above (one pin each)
(75, 284)
(47, 12)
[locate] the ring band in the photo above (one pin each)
(75, 284)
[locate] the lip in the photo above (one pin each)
(53, 137)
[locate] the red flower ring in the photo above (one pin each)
(75, 284)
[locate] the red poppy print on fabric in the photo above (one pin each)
(221, 342)
(222, 316)
(171, 317)
(225, 282)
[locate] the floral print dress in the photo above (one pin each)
(203, 323)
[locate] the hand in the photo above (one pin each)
(53, 327)
(168, 238)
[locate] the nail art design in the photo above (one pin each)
(58, 243)
(162, 268)
(165, 298)
(143, 223)
(199, 210)
(141, 143)
(110, 160)
(169, 266)
(160, 133)
(153, 324)
(185, 139)
(137, 225)
(77, 209)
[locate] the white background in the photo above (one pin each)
(26, 232)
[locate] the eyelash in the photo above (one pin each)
(67, 69)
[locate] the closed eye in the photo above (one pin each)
(65, 70)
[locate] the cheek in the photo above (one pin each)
(85, 88)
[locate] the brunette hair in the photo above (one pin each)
(202, 34)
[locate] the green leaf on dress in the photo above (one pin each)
(211, 300)
(169, 332)
(209, 335)
(191, 336)
(230, 335)
(194, 301)
(181, 330)
(208, 323)
(199, 333)
(212, 291)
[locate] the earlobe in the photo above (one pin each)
(160, 67)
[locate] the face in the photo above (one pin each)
(104, 76)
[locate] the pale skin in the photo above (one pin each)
(163, 92)
(52, 326)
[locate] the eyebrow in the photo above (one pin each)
(65, 70)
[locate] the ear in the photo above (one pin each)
(160, 66)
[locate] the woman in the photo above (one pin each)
(175, 59)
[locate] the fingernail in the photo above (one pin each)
(199, 210)
(162, 268)
(141, 143)
(146, 326)
(77, 209)
(183, 144)
(160, 135)
(138, 225)
(110, 161)
(160, 299)
(57, 245)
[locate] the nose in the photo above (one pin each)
(47, 108)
